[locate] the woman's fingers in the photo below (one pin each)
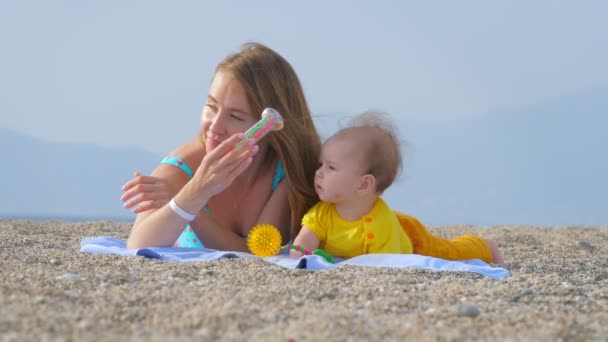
(241, 163)
(138, 179)
(131, 181)
(159, 197)
(147, 205)
(236, 161)
(137, 189)
(222, 165)
(227, 155)
(234, 154)
(228, 145)
(240, 167)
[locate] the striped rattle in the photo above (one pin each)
(304, 251)
(271, 121)
(297, 248)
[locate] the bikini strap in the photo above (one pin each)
(279, 175)
(179, 163)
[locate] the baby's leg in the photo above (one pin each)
(497, 257)
(464, 247)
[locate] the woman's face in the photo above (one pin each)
(226, 112)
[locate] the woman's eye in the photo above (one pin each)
(236, 117)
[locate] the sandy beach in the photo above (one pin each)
(558, 290)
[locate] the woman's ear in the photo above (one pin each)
(367, 184)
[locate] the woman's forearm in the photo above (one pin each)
(162, 227)
(215, 236)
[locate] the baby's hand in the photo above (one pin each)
(294, 254)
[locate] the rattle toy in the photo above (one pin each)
(271, 121)
(305, 251)
(264, 240)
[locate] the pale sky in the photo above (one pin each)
(136, 73)
(501, 102)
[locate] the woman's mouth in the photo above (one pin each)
(213, 142)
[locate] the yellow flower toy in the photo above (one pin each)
(264, 240)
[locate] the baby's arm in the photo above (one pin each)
(307, 239)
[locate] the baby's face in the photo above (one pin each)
(340, 171)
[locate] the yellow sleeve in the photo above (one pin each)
(315, 221)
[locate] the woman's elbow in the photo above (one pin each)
(137, 240)
(133, 244)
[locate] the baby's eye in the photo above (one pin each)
(331, 167)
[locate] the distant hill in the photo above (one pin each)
(47, 180)
(545, 164)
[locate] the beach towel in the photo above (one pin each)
(111, 245)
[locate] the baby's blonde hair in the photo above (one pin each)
(377, 136)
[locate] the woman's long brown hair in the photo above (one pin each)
(270, 81)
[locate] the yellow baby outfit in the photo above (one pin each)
(377, 232)
(385, 231)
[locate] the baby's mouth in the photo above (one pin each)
(318, 188)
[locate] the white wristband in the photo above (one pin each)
(181, 212)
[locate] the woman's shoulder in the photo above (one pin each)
(180, 163)
(191, 153)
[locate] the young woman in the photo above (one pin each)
(212, 192)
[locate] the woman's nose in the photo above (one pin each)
(217, 123)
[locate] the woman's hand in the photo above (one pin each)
(220, 167)
(145, 192)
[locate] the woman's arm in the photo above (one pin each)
(215, 236)
(143, 193)
(162, 226)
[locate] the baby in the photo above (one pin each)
(357, 164)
